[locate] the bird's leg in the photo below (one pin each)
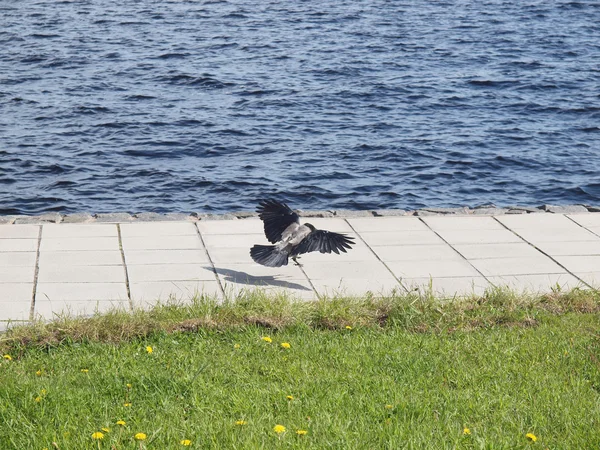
(295, 259)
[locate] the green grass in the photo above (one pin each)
(412, 372)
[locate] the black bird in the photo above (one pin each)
(282, 228)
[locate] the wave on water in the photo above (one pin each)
(181, 106)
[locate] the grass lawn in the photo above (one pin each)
(400, 372)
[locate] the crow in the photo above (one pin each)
(282, 228)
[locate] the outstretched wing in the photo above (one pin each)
(277, 216)
(324, 242)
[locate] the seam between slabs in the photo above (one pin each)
(125, 269)
(36, 274)
(210, 260)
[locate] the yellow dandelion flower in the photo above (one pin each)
(185, 442)
(241, 422)
(39, 373)
(98, 435)
(532, 437)
(126, 404)
(466, 431)
(149, 349)
(38, 399)
(290, 397)
(120, 422)
(285, 345)
(279, 429)
(348, 327)
(7, 357)
(128, 385)
(301, 432)
(85, 370)
(267, 339)
(236, 346)
(389, 406)
(140, 436)
(106, 429)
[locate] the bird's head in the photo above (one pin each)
(309, 225)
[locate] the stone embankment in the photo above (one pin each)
(122, 217)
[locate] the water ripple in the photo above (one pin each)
(187, 106)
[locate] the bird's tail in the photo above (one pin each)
(269, 255)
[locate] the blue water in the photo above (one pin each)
(212, 105)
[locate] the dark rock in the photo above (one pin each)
(181, 217)
(113, 217)
(490, 211)
(78, 218)
(7, 219)
(44, 218)
(389, 212)
(445, 211)
(149, 217)
(313, 213)
(216, 217)
(351, 213)
(567, 209)
(245, 214)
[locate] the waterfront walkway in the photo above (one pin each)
(49, 269)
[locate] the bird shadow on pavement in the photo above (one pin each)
(235, 276)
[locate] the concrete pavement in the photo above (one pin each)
(49, 269)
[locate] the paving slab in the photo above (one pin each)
(392, 224)
(228, 227)
(590, 278)
(18, 245)
(170, 272)
(79, 230)
(80, 258)
(528, 265)
(15, 310)
(447, 287)
(17, 259)
(154, 229)
(432, 268)
(19, 231)
(572, 233)
(89, 267)
(441, 223)
(580, 263)
(79, 243)
(346, 270)
(149, 293)
(55, 309)
(181, 256)
(80, 292)
(298, 289)
(179, 242)
(479, 236)
(381, 286)
(506, 250)
(535, 284)
(81, 274)
(570, 248)
(586, 220)
(17, 274)
(410, 237)
(427, 252)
